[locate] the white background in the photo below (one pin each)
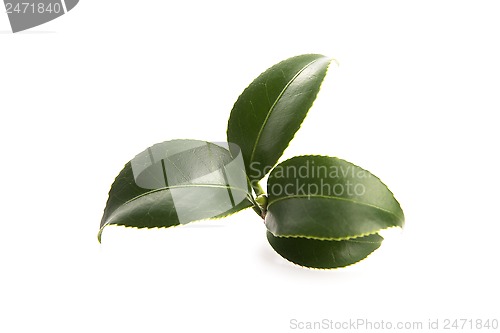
(414, 100)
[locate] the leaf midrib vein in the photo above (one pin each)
(182, 186)
(271, 109)
(334, 198)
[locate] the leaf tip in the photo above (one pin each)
(99, 235)
(333, 60)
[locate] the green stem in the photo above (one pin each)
(256, 209)
(257, 188)
(259, 191)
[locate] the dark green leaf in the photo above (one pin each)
(266, 116)
(328, 198)
(177, 182)
(317, 253)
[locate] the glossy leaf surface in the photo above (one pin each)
(328, 198)
(269, 112)
(316, 253)
(177, 182)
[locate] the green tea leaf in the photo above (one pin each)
(269, 112)
(328, 198)
(325, 254)
(177, 182)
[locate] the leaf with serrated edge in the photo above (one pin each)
(324, 197)
(177, 182)
(324, 254)
(271, 109)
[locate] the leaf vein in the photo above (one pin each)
(333, 198)
(259, 134)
